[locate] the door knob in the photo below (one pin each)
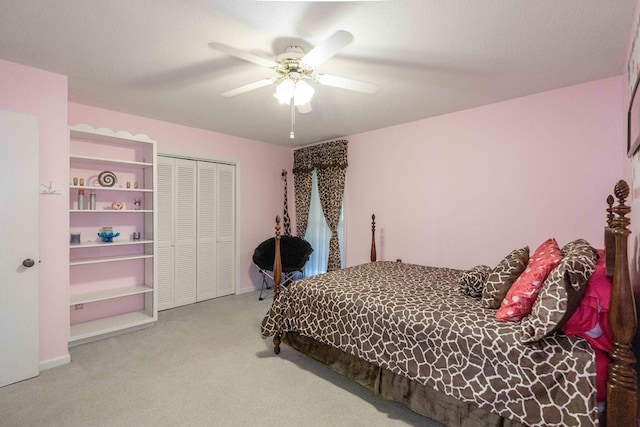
(28, 263)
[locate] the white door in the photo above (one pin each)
(166, 248)
(196, 231)
(185, 237)
(207, 184)
(19, 329)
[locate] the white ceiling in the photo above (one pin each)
(428, 57)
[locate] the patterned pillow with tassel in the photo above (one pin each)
(472, 281)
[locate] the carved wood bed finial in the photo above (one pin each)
(622, 398)
(610, 215)
(277, 277)
(373, 238)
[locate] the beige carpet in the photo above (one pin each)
(201, 365)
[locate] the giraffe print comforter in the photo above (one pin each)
(413, 321)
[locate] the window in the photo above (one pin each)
(318, 234)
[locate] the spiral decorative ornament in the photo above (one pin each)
(107, 179)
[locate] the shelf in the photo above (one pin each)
(109, 211)
(125, 298)
(81, 331)
(99, 161)
(82, 298)
(94, 188)
(108, 259)
(107, 136)
(103, 244)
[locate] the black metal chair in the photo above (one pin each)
(294, 254)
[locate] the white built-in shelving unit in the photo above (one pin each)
(112, 285)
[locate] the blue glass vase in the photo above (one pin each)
(107, 237)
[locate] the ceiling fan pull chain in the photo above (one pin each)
(293, 116)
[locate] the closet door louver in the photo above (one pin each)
(225, 265)
(185, 232)
(207, 202)
(166, 253)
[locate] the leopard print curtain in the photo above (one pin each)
(286, 221)
(331, 189)
(302, 189)
(330, 162)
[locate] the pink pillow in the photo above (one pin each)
(524, 291)
(591, 322)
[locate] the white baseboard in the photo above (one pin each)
(246, 290)
(52, 363)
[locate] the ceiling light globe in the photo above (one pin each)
(284, 91)
(300, 91)
(303, 93)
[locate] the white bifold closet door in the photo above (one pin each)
(226, 225)
(196, 218)
(165, 257)
(207, 180)
(185, 235)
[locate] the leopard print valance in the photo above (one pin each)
(322, 156)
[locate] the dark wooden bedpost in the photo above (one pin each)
(622, 393)
(373, 238)
(610, 239)
(277, 277)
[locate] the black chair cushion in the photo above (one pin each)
(294, 253)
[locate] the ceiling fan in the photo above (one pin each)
(293, 67)
(296, 65)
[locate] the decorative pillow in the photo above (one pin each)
(502, 277)
(525, 289)
(472, 281)
(579, 245)
(561, 293)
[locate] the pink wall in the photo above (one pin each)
(43, 94)
(466, 188)
(457, 190)
(632, 166)
(632, 169)
(260, 164)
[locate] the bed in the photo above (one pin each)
(407, 332)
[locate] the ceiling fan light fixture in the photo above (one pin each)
(299, 90)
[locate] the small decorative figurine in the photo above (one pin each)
(117, 206)
(107, 235)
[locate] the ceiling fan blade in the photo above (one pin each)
(327, 48)
(246, 56)
(248, 88)
(345, 83)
